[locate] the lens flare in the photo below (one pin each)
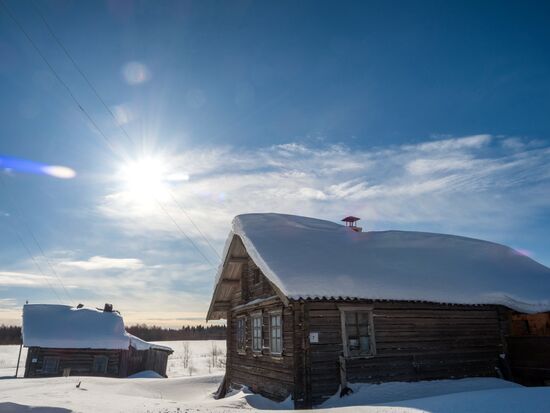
(61, 172)
(136, 73)
(8, 163)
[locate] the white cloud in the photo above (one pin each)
(22, 279)
(7, 303)
(452, 183)
(105, 263)
(476, 141)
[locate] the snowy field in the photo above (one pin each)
(194, 375)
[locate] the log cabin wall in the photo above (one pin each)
(79, 361)
(264, 373)
(413, 341)
(134, 361)
(156, 360)
(528, 348)
(121, 363)
(254, 284)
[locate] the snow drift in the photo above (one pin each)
(312, 258)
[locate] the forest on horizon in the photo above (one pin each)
(12, 334)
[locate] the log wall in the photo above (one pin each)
(414, 341)
(264, 373)
(80, 361)
(530, 359)
(121, 363)
(269, 375)
(140, 360)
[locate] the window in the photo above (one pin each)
(357, 331)
(50, 365)
(241, 334)
(100, 364)
(257, 332)
(275, 333)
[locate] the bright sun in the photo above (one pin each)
(145, 179)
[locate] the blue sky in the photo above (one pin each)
(419, 115)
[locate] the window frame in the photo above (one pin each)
(271, 314)
(372, 339)
(257, 316)
(102, 357)
(50, 358)
(241, 334)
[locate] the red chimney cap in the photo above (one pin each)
(351, 218)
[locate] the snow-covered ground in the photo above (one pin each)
(183, 393)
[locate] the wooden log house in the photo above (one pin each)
(312, 306)
(63, 340)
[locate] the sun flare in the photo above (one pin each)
(146, 179)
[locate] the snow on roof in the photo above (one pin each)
(140, 344)
(63, 326)
(312, 258)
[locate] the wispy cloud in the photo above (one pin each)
(22, 279)
(7, 303)
(472, 180)
(104, 263)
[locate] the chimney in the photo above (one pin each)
(108, 308)
(351, 223)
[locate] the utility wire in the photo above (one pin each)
(183, 232)
(192, 222)
(20, 216)
(79, 70)
(57, 76)
(117, 122)
(22, 241)
(31, 255)
(88, 116)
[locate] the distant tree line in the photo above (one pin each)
(155, 333)
(12, 334)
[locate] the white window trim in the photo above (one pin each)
(243, 349)
(353, 309)
(259, 315)
(280, 314)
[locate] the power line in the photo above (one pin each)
(88, 116)
(183, 232)
(57, 76)
(31, 255)
(192, 222)
(20, 215)
(21, 240)
(116, 121)
(79, 70)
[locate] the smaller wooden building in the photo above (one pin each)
(68, 341)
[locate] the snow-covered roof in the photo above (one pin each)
(140, 344)
(312, 258)
(63, 326)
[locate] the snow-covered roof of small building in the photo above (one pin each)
(140, 344)
(312, 258)
(63, 326)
